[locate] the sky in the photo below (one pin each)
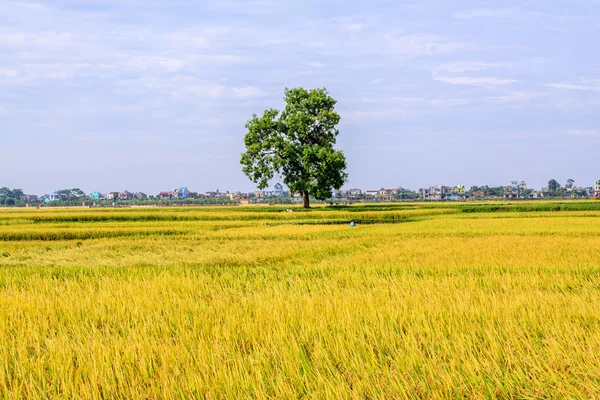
(149, 95)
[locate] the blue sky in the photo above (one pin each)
(152, 95)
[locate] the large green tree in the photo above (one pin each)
(570, 183)
(553, 187)
(297, 143)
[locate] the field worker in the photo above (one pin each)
(352, 224)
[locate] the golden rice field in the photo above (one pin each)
(416, 301)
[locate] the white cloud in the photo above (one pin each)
(222, 59)
(469, 66)
(584, 132)
(125, 136)
(213, 91)
(471, 81)
(353, 27)
(421, 44)
(316, 64)
(222, 91)
(448, 103)
(246, 92)
(515, 97)
(394, 99)
(56, 71)
(38, 39)
(8, 73)
(199, 121)
(45, 125)
(152, 62)
(360, 116)
(484, 13)
(591, 86)
(185, 39)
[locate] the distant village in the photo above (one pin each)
(279, 195)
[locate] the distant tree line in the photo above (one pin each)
(11, 197)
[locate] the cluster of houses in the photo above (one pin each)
(437, 192)
(517, 190)
(181, 193)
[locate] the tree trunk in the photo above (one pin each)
(306, 199)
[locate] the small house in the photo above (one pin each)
(545, 192)
(436, 192)
(125, 195)
(183, 193)
(386, 194)
(371, 194)
(55, 196)
(30, 198)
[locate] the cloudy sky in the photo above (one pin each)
(151, 95)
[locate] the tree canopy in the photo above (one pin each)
(10, 197)
(553, 187)
(297, 143)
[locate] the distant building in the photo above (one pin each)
(588, 191)
(386, 194)
(434, 193)
(237, 195)
(183, 193)
(278, 190)
(260, 194)
(216, 194)
(95, 195)
(140, 195)
(535, 194)
(164, 195)
(30, 198)
(523, 185)
(353, 192)
(125, 195)
(455, 193)
(477, 194)
(112, 196)
(55, 196)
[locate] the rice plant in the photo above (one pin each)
(417, 301)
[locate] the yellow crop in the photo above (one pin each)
(416, 301)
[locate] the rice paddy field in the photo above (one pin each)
(418, 300)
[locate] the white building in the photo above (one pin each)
(433, 193)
